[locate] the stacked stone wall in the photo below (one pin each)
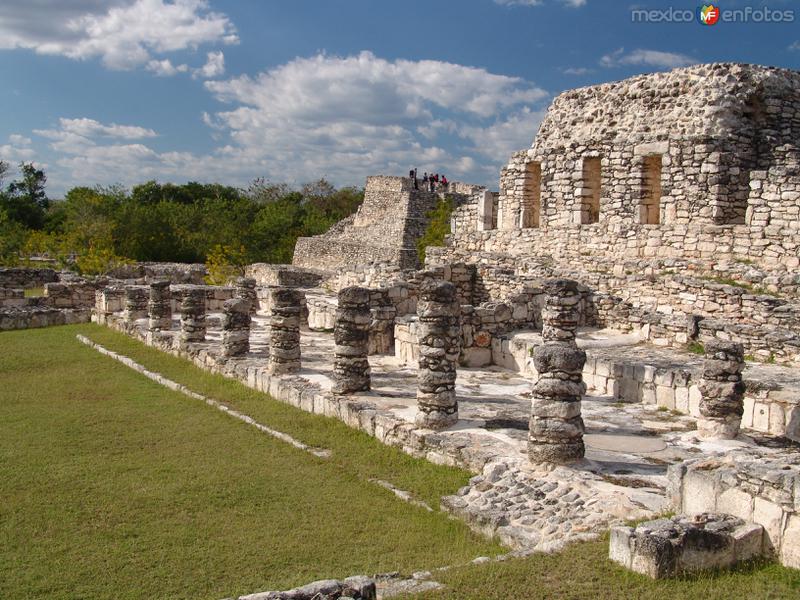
(20, 277)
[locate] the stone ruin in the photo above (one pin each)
(613, 335)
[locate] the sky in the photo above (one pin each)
(103, 92)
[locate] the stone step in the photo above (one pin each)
(621, 366)
(686, 544)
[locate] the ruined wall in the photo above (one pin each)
(174, 272)
(22, 277)
(701, 162)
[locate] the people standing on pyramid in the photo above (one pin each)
(412, 174)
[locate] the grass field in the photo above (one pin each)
(112, 486)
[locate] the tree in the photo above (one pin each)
(4, 166)
(25, 200)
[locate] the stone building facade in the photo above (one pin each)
(699, 162)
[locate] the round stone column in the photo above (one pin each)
(722, 390)
(351, 335)
(556, 427)
(235, 327)
(439, 347)
(246, 290)
(284, 344)
(193, 316)
(136, 303)
(159, 307)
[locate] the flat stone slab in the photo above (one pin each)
(636, 444)
(684, 544)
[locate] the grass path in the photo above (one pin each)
(112, 486)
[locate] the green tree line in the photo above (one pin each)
(95, 228)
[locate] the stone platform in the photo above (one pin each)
(629, 445)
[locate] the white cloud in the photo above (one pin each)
(165, 68)
(76, 136)
(19, 140)
(338, 117)
(651, 58)
(794, 45)
(214, 67)
(124, 34)
(576, 71)
(348, 117)
(17, 150)
(505, 136)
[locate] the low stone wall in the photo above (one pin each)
(637, 373)
(32, 317)
(283, 275)
(22, 277)
(177, 273)
(12, 297)
(765, 491)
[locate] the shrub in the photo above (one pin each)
(438, 226)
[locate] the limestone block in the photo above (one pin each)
(770, 516)
(671, 547)
(790, 548)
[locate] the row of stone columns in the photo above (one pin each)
(556, 426)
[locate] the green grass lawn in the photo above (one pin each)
(115, 487)
(112, 486)
(34, 292)
(583, 572)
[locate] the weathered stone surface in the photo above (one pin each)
(136, 303)
(193, 317)
(284, 344)
(556, 432)
(356, 588)
(351, 335)
(246, 290)
(160, 306)
(235, 327)
(439, 336)
(671, 547)
(722, 390)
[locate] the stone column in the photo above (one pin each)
(284, 344)
(722, 391)
(136, 299)
(193, 316)
(160, 306)
(556, 426)
(351, 334)
(246, 290)
(235, 327)
(439, 347)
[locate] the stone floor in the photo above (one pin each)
(628, 447)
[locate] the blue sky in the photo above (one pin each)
(122, 91)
